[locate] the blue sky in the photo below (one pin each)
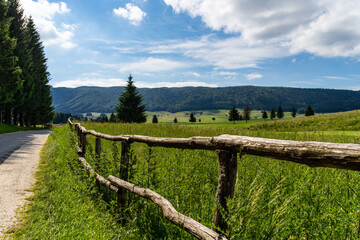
(175, 43)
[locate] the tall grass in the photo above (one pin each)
(273, 199)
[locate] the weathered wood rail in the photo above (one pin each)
(313, 154)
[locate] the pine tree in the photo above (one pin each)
(246, 113)
(22, 52)
(130, 108)
(293, 112)
(40, 110)
(112, 118)
(192, 118)
(9, 71)
(309, 111)
(280, 113)
(175, 120)
(234, 114)
(155, 119)
(264, 115)
(272, 114)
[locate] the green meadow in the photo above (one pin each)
(273, 199)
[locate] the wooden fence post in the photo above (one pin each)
(97, 152)
(124, 166)
(83, 144)
(226, 187)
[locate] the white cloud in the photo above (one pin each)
(335, 78)
(152, 65)
(253, 76)
(230, 53)
(327, 28)
(131, 12)
(43, 13)
(228, 73)
(111, 82)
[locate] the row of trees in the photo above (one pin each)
(280, 113)
(25, 97)
(234, 114)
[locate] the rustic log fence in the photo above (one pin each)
(313, 154)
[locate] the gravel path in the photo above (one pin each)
(19, 158)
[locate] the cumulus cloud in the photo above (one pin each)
(43, 13)
(131, 12)
(327, 28)
(253, 76)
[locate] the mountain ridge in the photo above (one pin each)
(104, 99)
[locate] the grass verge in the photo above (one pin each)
(4, 128)
(64, 205)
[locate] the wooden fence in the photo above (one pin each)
(313, 154)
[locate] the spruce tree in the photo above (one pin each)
(192, 118)
(9, 71)
(293, 112)
(22, 52)
(264, 115)
(112, 118)
(280, 113)
(272, 114)
(246, 113)
(40, 110)
(155, 119)
(130, 108)
(234, 114)
(175, 120)
(309, 111)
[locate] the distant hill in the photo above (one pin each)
(103, 100)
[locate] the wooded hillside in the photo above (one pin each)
(100, 99)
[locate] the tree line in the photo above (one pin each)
(25, 97)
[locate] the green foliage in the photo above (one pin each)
(264, 115)
(175, 120)
(234, 115)
(130, 108)
(280, 113)
(272, 114)
(309, 111)
(155, 119)
(97, 99)
(61, 118)
(246, 113)
(293, 112)
(112, 118)
(192, 117)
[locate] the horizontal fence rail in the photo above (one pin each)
(313, 154)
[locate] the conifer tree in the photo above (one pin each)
(280, 113)
(234, 114)
(309, 111)
(175, 120)
(246, 113)
(293, 112)
(264, 115)
(112, 118)
(22, 52)
(9, 71)
(192, 118)
(272, 114)
(130, 108)
(40, 110)
(155, 119)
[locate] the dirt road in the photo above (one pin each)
(19, 158)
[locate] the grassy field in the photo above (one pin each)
(273, 199)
